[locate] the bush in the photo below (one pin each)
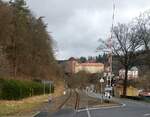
(139, 98)
(18, 89)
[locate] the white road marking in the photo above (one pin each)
(123, 105)
(88, 112)
(36, 114)
(147, 114)
(94, 108)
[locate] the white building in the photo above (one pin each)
(132, 73)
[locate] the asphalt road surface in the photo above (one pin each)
(127, 109)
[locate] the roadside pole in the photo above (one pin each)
(50, 88)
(101, 83)
(44, 87)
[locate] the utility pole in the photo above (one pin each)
(109, 73)
(110, 41)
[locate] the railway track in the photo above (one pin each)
(65, 101)
(73, 95)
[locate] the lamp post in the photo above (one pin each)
(101, 82)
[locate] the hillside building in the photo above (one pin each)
(73, 66)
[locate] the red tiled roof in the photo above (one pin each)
(72, 58)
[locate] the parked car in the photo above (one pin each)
(144, 93)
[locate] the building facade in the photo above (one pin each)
(132, 73)
(73, 66)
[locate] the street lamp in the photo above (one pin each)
(101, 82)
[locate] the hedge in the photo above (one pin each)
(139, 98)
(133, 97)
(11, 89)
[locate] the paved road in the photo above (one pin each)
(129, 109)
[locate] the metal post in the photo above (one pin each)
(101, 81)
(107, 81)
(44, 87)
(101, 94)
(50, 87)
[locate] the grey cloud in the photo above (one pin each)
(76, 25)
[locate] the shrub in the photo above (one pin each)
(17, 89)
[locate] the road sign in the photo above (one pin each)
(101, 80)
(108, 89)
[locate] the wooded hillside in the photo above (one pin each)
(25, 44)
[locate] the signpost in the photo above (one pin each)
(101, 82)
(108, 88)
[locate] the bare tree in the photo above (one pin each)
(124, 47)
(142, 26)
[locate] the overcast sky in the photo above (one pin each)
(76, 25)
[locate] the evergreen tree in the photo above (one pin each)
(25, 42)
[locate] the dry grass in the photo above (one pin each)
(26, 105)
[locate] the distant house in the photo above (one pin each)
(132, 73)
(73, 66)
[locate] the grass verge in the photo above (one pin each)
(25, 106)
